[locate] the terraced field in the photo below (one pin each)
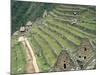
(57, 32)
(62, 28)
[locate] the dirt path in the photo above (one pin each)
(31, 66)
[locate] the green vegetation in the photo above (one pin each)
(18, 57)
(25, 11)
(55, 32)
(41, 59)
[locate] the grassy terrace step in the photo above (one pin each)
(70, 11)
(83, 32)
(89, 10)
(62, 27)
(67, 28)
(85, 18)
(69, 14)
(80, 26)
(41, 59)
(60, 18)
(48, 40)
(50, 45)
(50, 35)
(67, 35)
(91, 20)
(88, 17)
(52, 42)
(66, 43)
(66, 9)
(60, 37)
(80, 10)
(66, 17)
(75, 27)
(88, 21)
(62, 15)
(18, 58)
(46, 50)
(72, 6)
(69, 6)
(90, 28)
(88, 13)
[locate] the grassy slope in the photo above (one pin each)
(54, 35)
(18, 59)
(53, 28)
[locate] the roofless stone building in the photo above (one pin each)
(64, 62)
(22, 30)
(85, 54)
(84, 58)
(28, 25)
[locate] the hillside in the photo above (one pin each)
(55, 27)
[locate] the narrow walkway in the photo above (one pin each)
(30, 55)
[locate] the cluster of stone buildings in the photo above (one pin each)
(25, 28)
(84, 58)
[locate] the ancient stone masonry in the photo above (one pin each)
(64, 62)
(26, 28)
(85, 54)
(84, 58)
(28, 25)
(44, 14)
(22, 30)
